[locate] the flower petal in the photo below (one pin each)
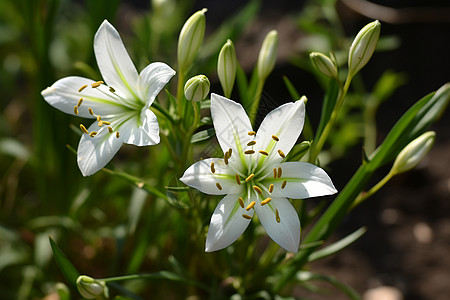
(115, 64)
(95, 152)
(231, 124)
(287, 232)
(142, 130)
(200, 176)
(64, 95)
(227, 223)
(152, 79)
(304, 180)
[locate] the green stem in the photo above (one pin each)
(164, 112)
(255, 102)
(180, 91)
(364, 196)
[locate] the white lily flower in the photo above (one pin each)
(120, 104)
(254, 176)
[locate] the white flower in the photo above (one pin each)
(254, 177)
(120, 104)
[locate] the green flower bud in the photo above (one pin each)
(226, 67)
(90, 288)
(413, 153)
(197, 88)
(324, 64)
(363, 47)
(268, 55)
(191, 37)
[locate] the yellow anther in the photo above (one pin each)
(263, 152)
(281, 154)
(97, 84)
(277, 216)
(213, 170)
(225, 157)
(250, 206)
(257, 189)
(249, 151)
(251, 133)
(265, 201)
(251, 143)
(93, 133)
(100, 123)
(238, 180)
(275, 138)
(283, 185)
(79, 102)
(111, 89)
(241, 202)
(75, 110)
(271, 188)
(229, 152)
(274, 172)
(117, 134)
(84, 129)
(82, 88)
(110, 129)
(249, 177)
(219, 186)
(279, 172)
(106, 123)
(246, 216)
(91, 111)
(99, 118)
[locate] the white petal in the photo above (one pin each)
(152, 79)
(142, 131)
(304, 180)
(287, 232)
(200, 176)
(231, 124)
(227, 223)
(285, 122)
(64, 95)
(95, 152)
(115, 64)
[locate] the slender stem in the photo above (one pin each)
(180, 90)
(163, 111)
(255, 102)
(364, 196)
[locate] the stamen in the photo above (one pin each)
(79, 102)
(246, 216)
(250, 206)
(264, 152)
(271, 188)
(265, 201)
(251, 143)
(277, 216)
(241, 202)
(100, 123)
(93, 133)
(275, 138)
(106, 123)
(91, 111)
(96, 84)
(75, 110)
(257, 189)
(99, 118)
(283, 185)
(219, 186)
(279, 172)
(281, 154)
(82, 88)
(274, 172)
(84, 129)
(229, 152)
(117, 134)
(212, 168)
(251, 133)
(238, 180)
(249, 177)
(111, 89)
(110, 129)
(225, 158)
(249, 151)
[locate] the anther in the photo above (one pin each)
(251, 143)
(100, 123)
(281, 154)
(274, 172)
(249, 177)
(117, 134)
(265, 201)
(91, 111)
(275, 138)
(229, 152)
(277, 216)
(246, 216)
(75, 110)
(99, 118)
(251, 133)
(79, 102)
(238, 180)
(250, 206)
(249, 151)
(84, 129)
(82, 88)
(212, 168)
(263, 152)
(110, 129)
(279, 172)
(106, 123)
(225, 157)
(257, 189)
(241, 202)
(97, 84)
(93, 133)
(219, 186)
(283, 185)
(271, 188)
(111, 89)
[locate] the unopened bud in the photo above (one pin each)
(197, 88)
(413, 153)
(363, 47)
(268, 55)
(90, 288)
(226, 67)
(191, 37)
(324, 64)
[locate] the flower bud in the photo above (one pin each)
(324, 64)
(191, 37)
(363, 47)
(90, 288)
(226, 67)
(268, 55)
(413, 153)
(197, 88)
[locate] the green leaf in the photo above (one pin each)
(291, 88)
(69, 271)
(203, 135)
(242, 83)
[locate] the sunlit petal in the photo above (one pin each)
(152, 79)
(141, 130)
